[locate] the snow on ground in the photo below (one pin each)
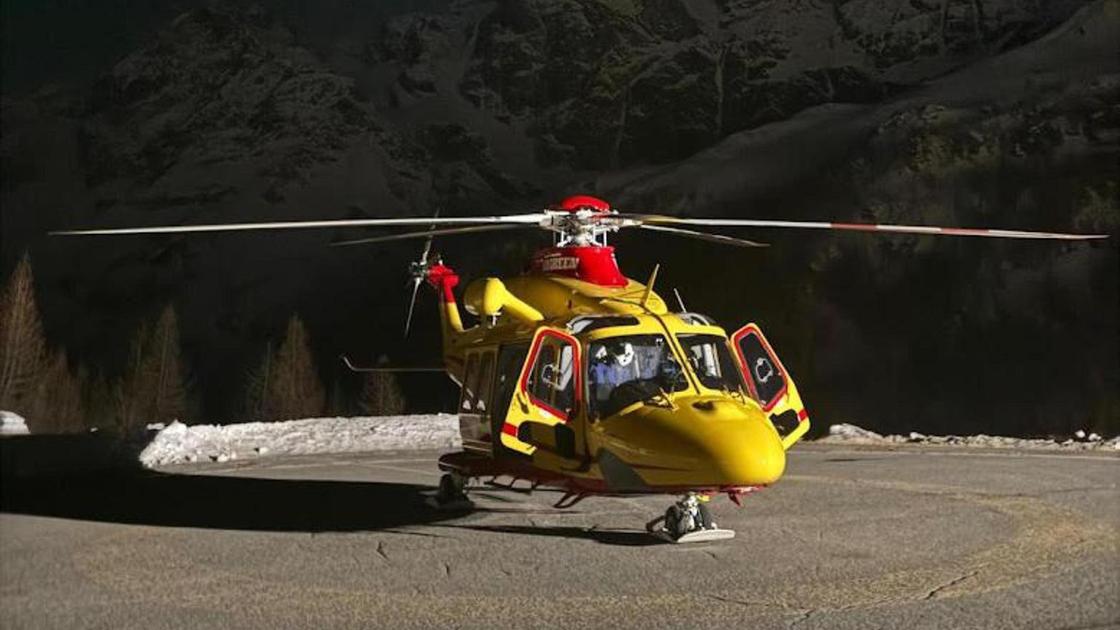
(179, 443)
(851, 434)
(12, 424)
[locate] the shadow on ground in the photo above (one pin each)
(204, 501)
(607, 537)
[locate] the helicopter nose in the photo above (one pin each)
(703, 442)
(741, 446)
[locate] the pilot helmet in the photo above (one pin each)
(623, 353)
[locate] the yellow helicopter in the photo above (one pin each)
(578, 378)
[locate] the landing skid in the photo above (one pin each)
(688, 521)
(698, 536)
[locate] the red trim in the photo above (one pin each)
(577, 202)
(509, 429)
(444, 279)
(802, 415)
(523, 382)
(593, 264)
(549, 408)
(754, 329)
(472, 464)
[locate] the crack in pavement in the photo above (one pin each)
(381, 551)
(951, 583)
(805, 615)
(740, 602)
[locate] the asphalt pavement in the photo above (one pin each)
(852, 537)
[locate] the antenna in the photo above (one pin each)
(649, 285)
(679, 300)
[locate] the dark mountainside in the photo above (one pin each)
(1000, 113)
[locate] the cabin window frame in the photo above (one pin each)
(575, 379)
(736, 347)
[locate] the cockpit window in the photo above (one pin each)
(589, 323)
(624, 370)
(710, 358)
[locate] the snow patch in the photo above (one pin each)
(12, 424)
(852, 434)
(178, 443)
(851, 431)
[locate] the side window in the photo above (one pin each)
(551, 379)
(510, 360)
(470, 385)
(709, 358)
(485, 370)
(764, 372)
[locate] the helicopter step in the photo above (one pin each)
(687, 521)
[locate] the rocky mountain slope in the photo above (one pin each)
(963, 112)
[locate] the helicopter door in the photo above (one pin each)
(769, 383)
(546, 398)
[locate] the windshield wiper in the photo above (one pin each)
(664, 401)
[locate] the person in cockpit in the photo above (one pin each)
(612, 365)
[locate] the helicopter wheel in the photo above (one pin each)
(677, 521)
(452, 493)
(687, 519)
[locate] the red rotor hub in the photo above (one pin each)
(579, 202)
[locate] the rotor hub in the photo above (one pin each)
(576, 203)
(582, 221)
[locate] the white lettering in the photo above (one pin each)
(560, 263)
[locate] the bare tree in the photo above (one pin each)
(152, 388)
(257, 389)
(23, 349)
(287, 385)
(55, 404)
(381, 394)
(169, 397)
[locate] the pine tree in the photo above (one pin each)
(287, 386)
(381, 394)
(23, 349)
(152, 388)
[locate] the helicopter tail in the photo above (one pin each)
(444, 280)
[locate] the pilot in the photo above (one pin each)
(612, 365)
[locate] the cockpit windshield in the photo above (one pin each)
(710, 359)
(627, 369)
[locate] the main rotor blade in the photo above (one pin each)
(862, 227)
(519, 219)
(705, 236)
(430, 233)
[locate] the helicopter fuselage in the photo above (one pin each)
(578, 377)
